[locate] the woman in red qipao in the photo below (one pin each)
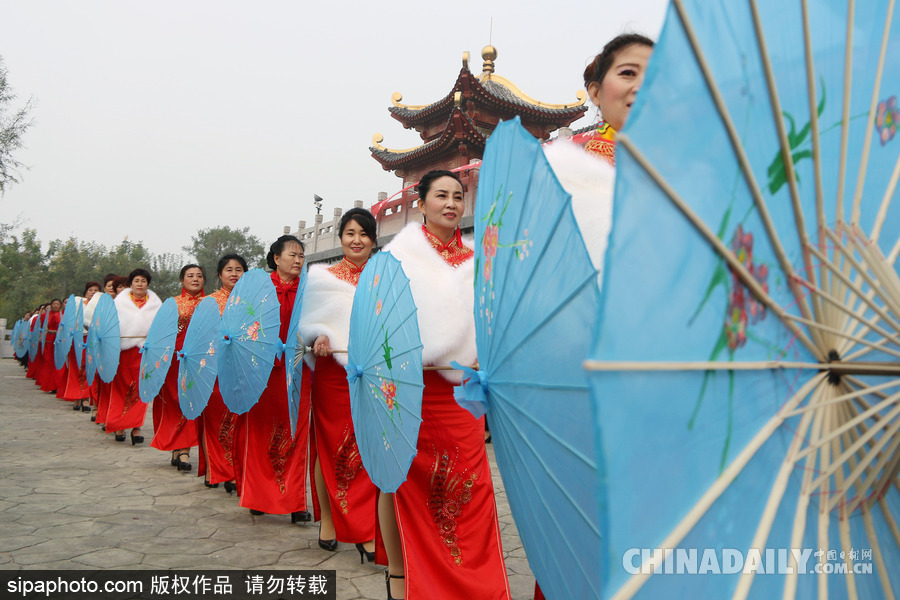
(36, 361)
(172, 432)
(272, 465)
(346, 497)
(440, 528)
(216, 424)
(136, 306)
(49, 376)
(76, 388)
(99, 388)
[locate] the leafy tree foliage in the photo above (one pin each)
(13, 125)
(209, 245)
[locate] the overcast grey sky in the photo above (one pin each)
(156, 119)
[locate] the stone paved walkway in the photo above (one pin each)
(73, 498)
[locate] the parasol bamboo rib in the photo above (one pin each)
(634, 583)
(864, 297)
(855, 316)
(843, 523)
(883, 484)
(743, 161)
(877, 556)
(823, 520)
(860, 341)
(842, 398)
(886, 202)
(886, 276)
(786, 155)
(889, 518)
(736, 266)
(854, 436)
(847, 546)
(845, 113)
(870, 122)
(790, 584)
(838, 463)
(771, 509)
(892, 257)
(885, 462)
(840, 368)
(850, 424)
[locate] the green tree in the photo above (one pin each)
(14, 122)
(23, 273)
(209, 245)
(165, 271)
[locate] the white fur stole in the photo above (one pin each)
(444, 297)
(325, 310)
(134, 321)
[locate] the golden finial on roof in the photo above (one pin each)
(489, 54)
(466, 60)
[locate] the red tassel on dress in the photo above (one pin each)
(353, 495)
(446, 510)
(125, 409)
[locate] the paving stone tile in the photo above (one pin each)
(110, 558)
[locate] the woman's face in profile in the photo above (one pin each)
(618, 90)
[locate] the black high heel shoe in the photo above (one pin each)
(256, 513)
(230, 486)
(76, 407)
(387, 583)
(365, 555)
(301, 516)
(184, 465)
(174, 461)
(135, 439)
(121, 438)
(85, 408)
(210, 485)
(330, 545)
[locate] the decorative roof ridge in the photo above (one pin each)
(449, 133)
(580, 95)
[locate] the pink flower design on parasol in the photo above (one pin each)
(378, 307)
(741, 302)
(389, 389)
(886, 119)
(253, 331)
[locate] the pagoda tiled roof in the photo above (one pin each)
(493, 91)
(459, 130)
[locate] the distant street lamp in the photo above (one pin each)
(317, 200)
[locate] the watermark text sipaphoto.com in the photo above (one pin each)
(730, 561)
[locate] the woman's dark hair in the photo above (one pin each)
(120, 282)
(109, 277)
(363, 218)
(598, 68)
(55, 300)
(428, 178)
(139, 273)
(226, 259)
(185, 268)
(277, 248)
(89, 285)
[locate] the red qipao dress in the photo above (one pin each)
(76, 387)
(445, 509)
(171, 430)
(125, 409)
(215, 427)
(49, 377)
(272, 469)
(327, 303)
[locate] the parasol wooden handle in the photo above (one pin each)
(446, 368)
(128, 337)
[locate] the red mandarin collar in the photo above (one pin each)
(139, 302)
(282, 286)
(454, 252)
(347, 271)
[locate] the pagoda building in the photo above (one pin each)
(454, 131)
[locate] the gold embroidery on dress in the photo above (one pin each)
(347, 464)
(226, 436)
(132, 397)
(281, 446)
(186, 304)
(346, 271)
(450, 492)
(221, 296)
(453, 252)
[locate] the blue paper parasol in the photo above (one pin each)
(158, 351)
(248, 340)
(44, 330)
(20, 338)
(746, 370)
(535, 297)
(103, 343)
(198, 361)
(34, 339)
(64, 333)
(294, 348)
(78, 333)
(384, 369)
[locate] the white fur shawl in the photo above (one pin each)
(591, 181)
(134, 321)
(445, 298)
(326, 307)
(89, 309)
